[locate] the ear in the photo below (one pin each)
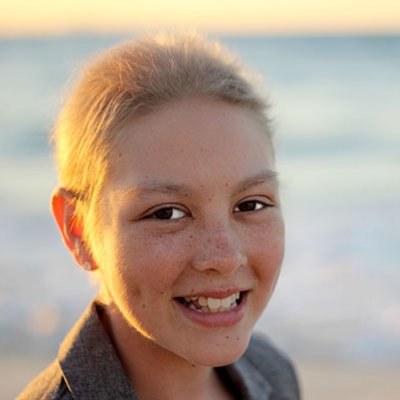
(70, 227)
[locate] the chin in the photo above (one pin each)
(222, 354)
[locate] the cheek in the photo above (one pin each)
(149, 262)
(268, 245)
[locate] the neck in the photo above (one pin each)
(157, 373)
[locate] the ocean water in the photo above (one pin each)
(336, 106)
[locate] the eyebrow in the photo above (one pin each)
(155, 186)
(267, 176)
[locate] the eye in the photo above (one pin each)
(167, 213)
(251, 205)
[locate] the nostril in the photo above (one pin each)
(220, 261)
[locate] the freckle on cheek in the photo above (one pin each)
(143, 306)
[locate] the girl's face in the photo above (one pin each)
(192, 232)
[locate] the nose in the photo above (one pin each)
(219, 249)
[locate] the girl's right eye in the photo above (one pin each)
(167, 213)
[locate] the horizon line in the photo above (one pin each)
(228, 34)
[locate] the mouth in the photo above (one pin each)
(206, 305)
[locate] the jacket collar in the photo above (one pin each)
(89, 363)
(248, 380)
(92, 369)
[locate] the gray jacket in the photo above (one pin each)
(87, 368)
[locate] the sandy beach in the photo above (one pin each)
(349, 382)
(319, 381)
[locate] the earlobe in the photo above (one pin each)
(71, 229)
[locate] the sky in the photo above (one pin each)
(49, 17)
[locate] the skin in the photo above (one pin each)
(191, 207)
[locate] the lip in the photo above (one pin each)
(217, 319)
(216, 294)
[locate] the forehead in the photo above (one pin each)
(196, 138)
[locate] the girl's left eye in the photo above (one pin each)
(251, 205)
(167, 213)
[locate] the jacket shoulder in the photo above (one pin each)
(48, 385)
(275, 366)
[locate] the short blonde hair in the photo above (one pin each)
(132, 79)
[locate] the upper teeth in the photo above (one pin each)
(215, 304)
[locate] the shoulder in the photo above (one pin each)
(49, 385)
(274, 365)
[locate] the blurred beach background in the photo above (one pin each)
(336, 104)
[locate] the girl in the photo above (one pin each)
(169, 197)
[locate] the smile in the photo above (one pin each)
(206, 305)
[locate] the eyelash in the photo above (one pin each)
(167, 208)
(259, 206)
